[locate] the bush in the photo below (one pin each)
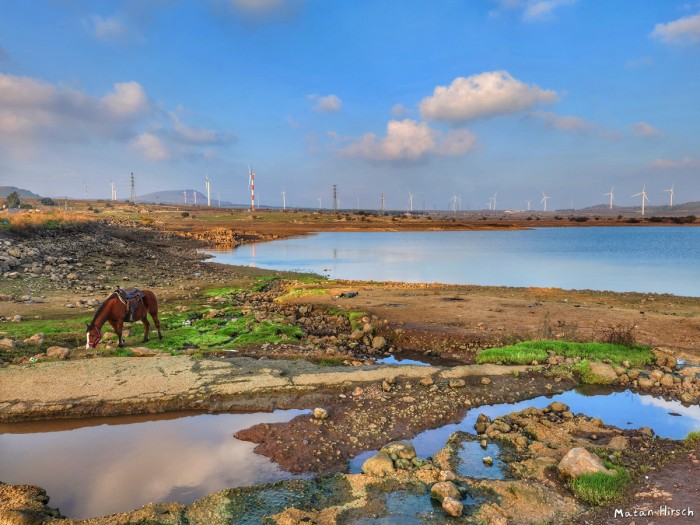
(184, 214)
(47, 201)
(12, 200)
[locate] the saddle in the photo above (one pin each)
(131, 297)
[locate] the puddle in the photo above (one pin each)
(471, 461)
(106, 465)
(405, 507)
(392, 360)
(623, 409)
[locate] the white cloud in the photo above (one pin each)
(685, 30)
(533, 10)
(4, 55)
(481, 96)
(150, 146)
(399, 110)
(35, 112)
(31, 108)
(682, 164)
(644, 129)
(568, 123)
(408, 140)
(106, 29)
(543, 9)
(257, 6)
(328, 104)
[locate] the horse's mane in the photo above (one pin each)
(101, 308)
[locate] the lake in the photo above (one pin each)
(663, 259)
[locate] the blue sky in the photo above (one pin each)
(441, 98)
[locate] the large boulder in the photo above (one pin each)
(579, 461)
(445, 489)
(602, 373)
(399, 449)
(379, 465)
(57, 352)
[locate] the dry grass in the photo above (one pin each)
(31, 220)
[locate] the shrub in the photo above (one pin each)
(12, 200)
(184, 214)
(47, 201)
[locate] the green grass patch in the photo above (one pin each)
(215, 292)
(528, 351)
(269, 332)
(600, 488)
(123, 352)
(331, 361)
(693, 438)
(355, 318)
(301, 292)
(262, 282)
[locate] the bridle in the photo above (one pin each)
(97, 340)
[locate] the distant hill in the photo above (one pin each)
(23, 194)
(178, 197)
(684, 208)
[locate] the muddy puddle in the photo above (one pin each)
(105, 465)
(623, 409)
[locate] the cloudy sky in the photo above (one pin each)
(441, 98)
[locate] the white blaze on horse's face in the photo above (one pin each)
(87, 340)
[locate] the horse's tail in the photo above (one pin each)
(150, 301)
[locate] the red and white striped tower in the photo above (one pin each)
(251, 183)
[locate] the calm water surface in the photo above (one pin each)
(107, 465)
(624, 259)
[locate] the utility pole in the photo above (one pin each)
(335, 198)
(133, 190)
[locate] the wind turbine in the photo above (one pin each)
(670, 190)
(251, 185)
(494, 200)
(194, 196)
(284, 200)
(643, 194)
(319, 203)
(114, 191)
(611, 196)
(528, 205)
(184, 194)
(208, 183)
(410, 202)
(453, 200)
(544, 200)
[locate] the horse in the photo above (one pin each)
(124, 306)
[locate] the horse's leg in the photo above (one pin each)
(146, 328)
(154, 316)
(118, 328)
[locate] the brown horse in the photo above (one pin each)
(124, 306)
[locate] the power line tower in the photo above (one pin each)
(133, 189)
(335, 198)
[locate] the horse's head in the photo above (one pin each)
(92, 337)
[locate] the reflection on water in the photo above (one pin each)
(625, 410)
(392, 360)
(648, 259)
(118, 464)
(470, 457)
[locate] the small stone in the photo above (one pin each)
(485, 380)
(57, 352)
(447, 475)
(400, 449)
(488, 461)
(579, 461)
(426, 381)
(386, 386)
(452, 506)
(457, 383)
(444, 489)
(378, 342)
(320, 413)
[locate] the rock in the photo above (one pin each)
(602, 373)
(6, 342)
(400, 449)
(482, 423)
(446, 475)
(666, 380)
(36, 339)
(444, 489)
(379, 465)
(488, 461)
(378, 342)
(558, 406)
(57, 352)
(320, 413)
(579, 461)
(140, 351)
(357, 392)
(485, 380)
(452, 506)
(457, 383)
(426, 381)
(386, 386)
(645, 383)
(357, 335)
(619, 443)
(17, 318)
(656, 375)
